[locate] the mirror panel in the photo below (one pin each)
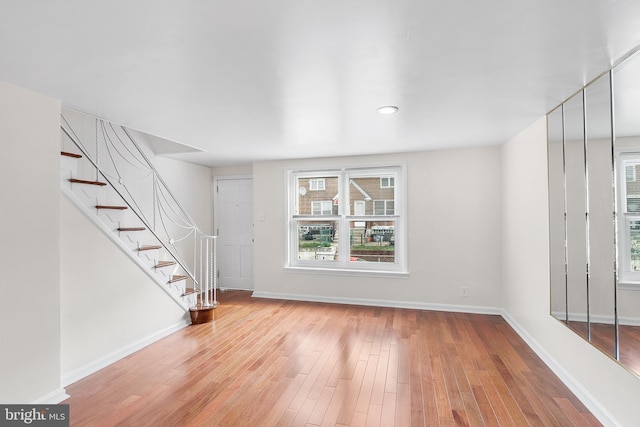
(601, 208)
(594, 212)
(575, 208)
(626, 97)
(556, 215)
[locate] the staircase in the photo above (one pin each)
(111, 180)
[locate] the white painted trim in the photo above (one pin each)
(629, 286)
(52, 398)
(582, 393)
(114, 356)
(380, 303)
(346, 272)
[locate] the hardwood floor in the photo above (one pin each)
(602, 336)
(284, 363)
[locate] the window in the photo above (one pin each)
(387, 182)
(630, 172)
(629, 218)
(316, 184)
(383, 207)
(321, 208)
(349, 219)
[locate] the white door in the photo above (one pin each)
(234, 226)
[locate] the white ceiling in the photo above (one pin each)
(272, 79)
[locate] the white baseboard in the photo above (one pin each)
(575, 386)
(52, 398)
(380, 303)
(90, 368)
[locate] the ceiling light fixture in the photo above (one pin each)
(388, 109)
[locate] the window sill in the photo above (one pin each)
(348, 272)
(629, 285)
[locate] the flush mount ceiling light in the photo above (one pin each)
(388, 109)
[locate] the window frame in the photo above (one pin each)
(344, 218)
(627, 277)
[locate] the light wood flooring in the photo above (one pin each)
(603, 337)
(284, 363)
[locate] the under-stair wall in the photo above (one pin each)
(109, 306)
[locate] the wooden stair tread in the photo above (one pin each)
(161, 264)
(119, 208)
(148, 248)
(177, 278)
(132, 228)
(68, 154)
(84, 181)
(189, 291)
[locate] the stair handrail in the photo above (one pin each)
(208, 276)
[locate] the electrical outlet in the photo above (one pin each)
(464, 291)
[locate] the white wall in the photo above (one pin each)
(613, 390)
(29, 254)
(109, 306)
(193, 187)
(454, 225)
(232, 170)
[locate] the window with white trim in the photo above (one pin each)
(321, 207)
(387, 182)
(355, 220)
(629, 218)
(383, 207)
(316, 184)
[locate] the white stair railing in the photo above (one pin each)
(114, 156)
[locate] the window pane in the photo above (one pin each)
(378, 207)
(634, 238)
(316, 184)
(318, 240)
(321, 208)
(317, 196)
(372, 241)
(383, 207)
(386, 182)
(371, 195)
(632, 186)
(389, 208)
